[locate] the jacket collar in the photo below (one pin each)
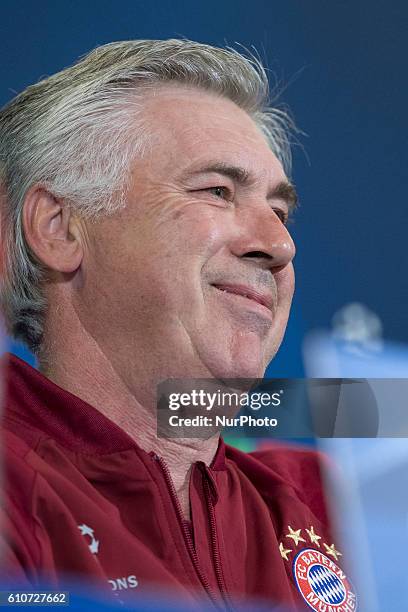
(73, 423)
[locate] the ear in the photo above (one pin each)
(51, 231)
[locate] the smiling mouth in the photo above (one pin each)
(248, 293)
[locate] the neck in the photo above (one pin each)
(92, 378)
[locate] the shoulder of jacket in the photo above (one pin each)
(287, 470)
(294, 463)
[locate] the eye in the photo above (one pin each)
(283, 215)
(219, 192)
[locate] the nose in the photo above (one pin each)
(263, 238)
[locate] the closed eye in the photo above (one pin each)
(282, 214)
(224, 193)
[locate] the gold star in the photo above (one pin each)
(295, 535)
(332, 551)
(314, 538)
(284, 551)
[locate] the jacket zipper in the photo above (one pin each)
(215, 551)
(187, 536)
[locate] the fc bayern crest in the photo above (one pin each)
(323, 585)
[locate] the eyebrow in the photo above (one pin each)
(284, 190)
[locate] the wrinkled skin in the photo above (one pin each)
(192, 279)
(145, 291)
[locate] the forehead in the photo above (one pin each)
(191, 126)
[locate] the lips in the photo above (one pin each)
(247, 292)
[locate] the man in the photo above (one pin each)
(144, 237)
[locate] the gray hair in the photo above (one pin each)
(70, 133)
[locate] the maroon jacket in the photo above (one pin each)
(81, 498)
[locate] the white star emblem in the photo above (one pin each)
(85, 530)
(332, 551)
(88, 531)
(295, 535)
(314, 538)
(93, 547)
(284, 551)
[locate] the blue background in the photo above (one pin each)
(344, 68)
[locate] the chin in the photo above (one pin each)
(249, 371)
(242, 366)
(243, 354)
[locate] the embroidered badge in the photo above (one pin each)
(321, 582)
(323, 585)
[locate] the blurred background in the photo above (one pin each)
(341, 67)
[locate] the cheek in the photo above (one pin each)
(185, 249)
(285, 282)
(153, 262)
(202, 230)
(164, 269)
